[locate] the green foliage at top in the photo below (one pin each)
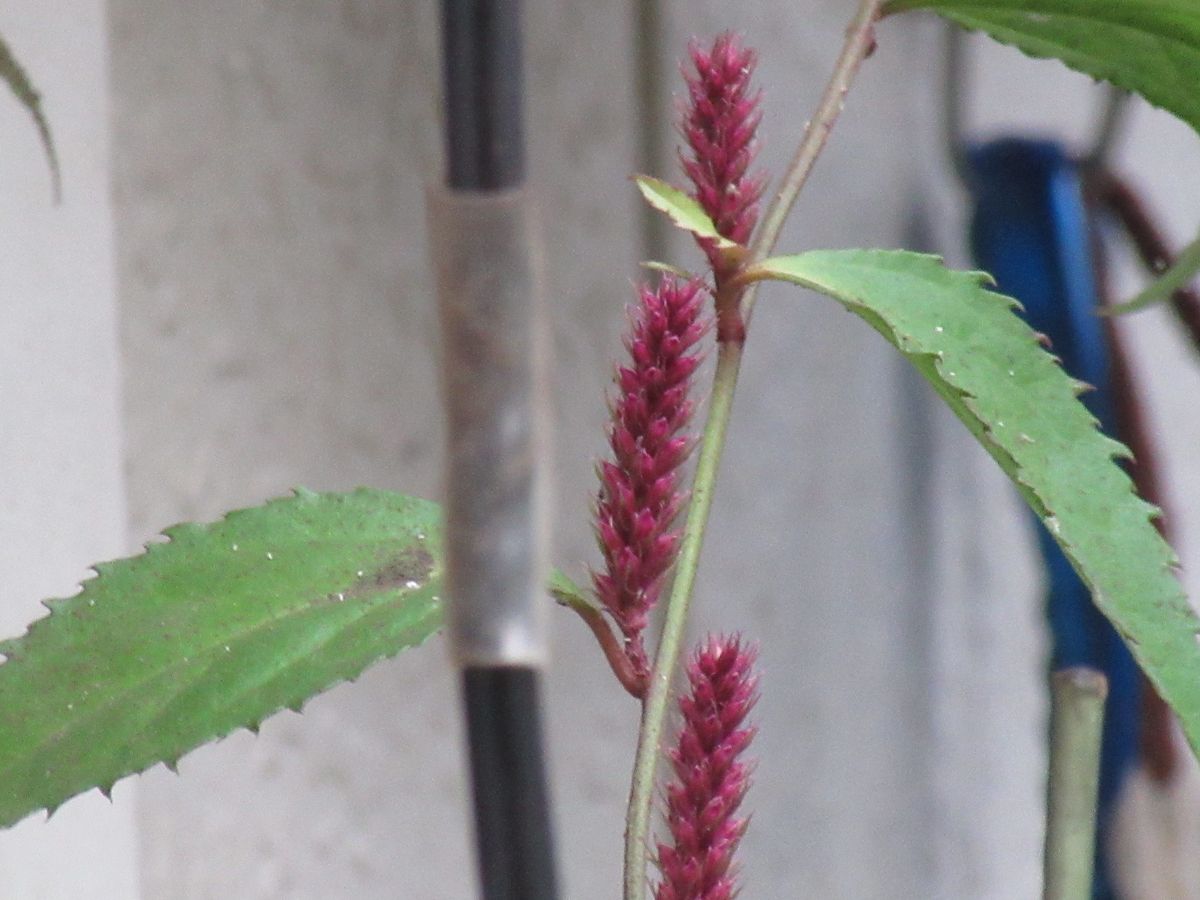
(215, 630)
(1148, 46)
(14, 76)
(987, 365)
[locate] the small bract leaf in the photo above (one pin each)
(213, 631)
(681, 209)
(12, 74)
(988, 366)
(1148, 46)
(565, 591)
(654, 265)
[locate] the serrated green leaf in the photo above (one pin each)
(683, 210)
(212, 631)
(12, 74)
(986, 363)
(1148, 46)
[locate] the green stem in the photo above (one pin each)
(859, 41)
(654, 710)
(1077, 719)
(1167, 284)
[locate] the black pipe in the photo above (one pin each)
(481, 67)
(516, 858)
(484, 138)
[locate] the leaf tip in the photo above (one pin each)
(653, 265)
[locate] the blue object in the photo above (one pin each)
(1031, 230)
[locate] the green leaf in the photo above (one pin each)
(654, 265)
(565, 591)
(1181, 272)
(681, 209)
(1148, 46)
(14, 76)
(215, 630)
(986, 363)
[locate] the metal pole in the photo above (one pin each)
(482, 239)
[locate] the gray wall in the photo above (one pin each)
(63, 503)
(276, 328)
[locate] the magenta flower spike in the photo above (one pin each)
(710, 780)
(720, 121)
(639, 495)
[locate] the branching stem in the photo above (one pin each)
(860, 41)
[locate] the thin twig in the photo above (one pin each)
(859, 42)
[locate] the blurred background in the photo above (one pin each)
(234, 298)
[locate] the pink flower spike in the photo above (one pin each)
(720, 121)
(639, 494)
(709, 780)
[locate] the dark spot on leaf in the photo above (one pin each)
(409, 567)
(412, 564)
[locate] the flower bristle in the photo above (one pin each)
(720, 123)
(639, 497)
(710, 779)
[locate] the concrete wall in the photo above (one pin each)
(63, 503)
(277, 328)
